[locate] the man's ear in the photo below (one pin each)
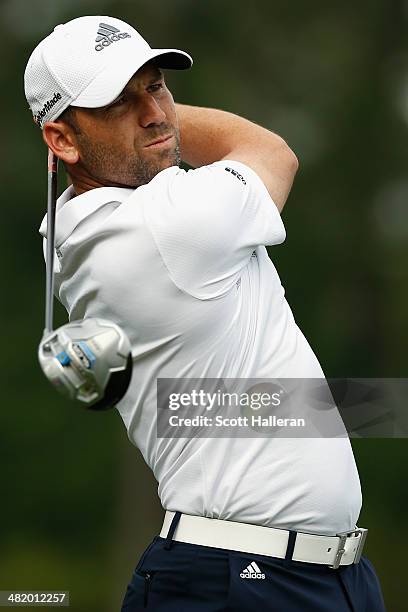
(59, 137)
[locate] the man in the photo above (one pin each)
(178, 260)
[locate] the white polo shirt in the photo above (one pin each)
(181, 265)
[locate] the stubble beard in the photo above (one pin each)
(112, 166)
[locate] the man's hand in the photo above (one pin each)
(209, 135)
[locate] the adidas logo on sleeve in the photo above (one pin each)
(252, 571)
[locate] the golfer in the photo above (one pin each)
(178, 260)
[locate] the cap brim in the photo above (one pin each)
(173, 59)
(109, 83)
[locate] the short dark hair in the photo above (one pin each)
(69, 117)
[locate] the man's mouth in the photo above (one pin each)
(159, 141)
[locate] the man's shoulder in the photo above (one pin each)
(208, 185)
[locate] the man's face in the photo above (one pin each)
(115, 142)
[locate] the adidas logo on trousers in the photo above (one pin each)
(253, 572)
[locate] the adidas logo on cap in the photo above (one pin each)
(252, 571)
(107, 35)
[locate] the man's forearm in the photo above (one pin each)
(208, 134)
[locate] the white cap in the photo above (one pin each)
(87, 62)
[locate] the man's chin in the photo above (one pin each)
(152, 170)
(167, 159)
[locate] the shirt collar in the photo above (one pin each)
(72, 209)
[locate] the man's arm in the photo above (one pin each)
(209, 135)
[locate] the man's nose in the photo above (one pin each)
(150, 111)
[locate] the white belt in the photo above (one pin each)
(342, 549)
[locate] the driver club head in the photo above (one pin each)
(88, 360)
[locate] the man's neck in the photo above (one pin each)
(82, 185)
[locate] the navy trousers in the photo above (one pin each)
(177, 577)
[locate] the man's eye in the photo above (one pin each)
(156, 87)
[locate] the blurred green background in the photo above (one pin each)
(78, 505)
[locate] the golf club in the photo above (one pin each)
(88, 360)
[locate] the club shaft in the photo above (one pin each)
(51, 205)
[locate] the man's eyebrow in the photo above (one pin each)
(158, 75)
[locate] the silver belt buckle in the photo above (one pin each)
(341, 549)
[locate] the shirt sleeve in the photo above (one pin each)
(208, 223)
